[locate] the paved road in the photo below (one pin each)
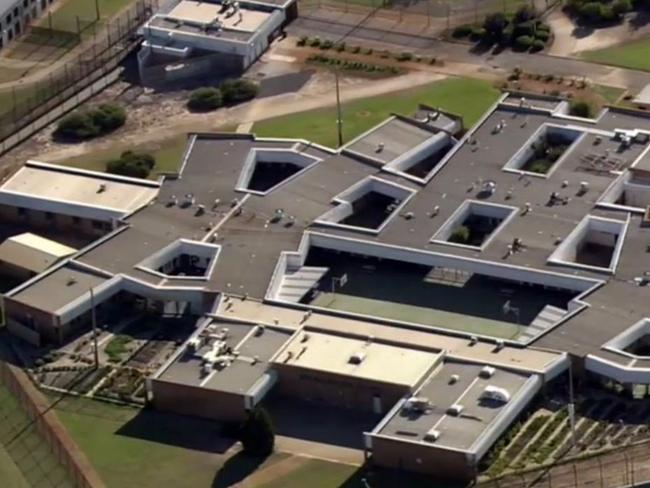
(538, 63)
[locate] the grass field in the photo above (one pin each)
(611, 94)
(467, 97)
(25, 459)
(633, 55)
(315, 474)
(168, 154)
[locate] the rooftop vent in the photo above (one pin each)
(102, 188)
(416, 404)
(455, 410)
(432, 435)
(495, 393)
(380, 147)
(487, 372)
(70, 281)
(357, 358)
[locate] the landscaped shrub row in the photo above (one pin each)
(342, 47)
(353, 65)
(493, 460)
(135, 165)
(594, 12)
(523, 31)
(230, 92)
(81, 125)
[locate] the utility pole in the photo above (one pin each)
(94, 322)
(572, 413)
(339, 119)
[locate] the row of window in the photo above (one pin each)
(51, 217)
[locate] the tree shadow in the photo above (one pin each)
(375, 477)
(236, 469)
(639, 20)
(178, 430)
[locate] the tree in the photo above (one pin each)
(135, 165)
(460, 235)
(581, 108)
(205, 98)
(257, 435)
(495, 24)
(620, 7)
(524, 14)
(591, 11)
(238, 91)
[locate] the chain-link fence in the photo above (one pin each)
(30, 101)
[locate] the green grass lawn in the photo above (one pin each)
(467, 97)
(130, 460)
(611, 94)
(635, 55)
(117, 346)
(168, 154)
(314, 474)
(10, 473)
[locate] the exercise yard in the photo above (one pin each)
(446, 299)
(469, 98)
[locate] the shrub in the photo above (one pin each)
(327, 44)
(537, 45)
(108, 117)
(460, 235)
(238, 91)
(607, 14)
(302, 41)
(581, 108)
(494, 24)
(205, 98)
(524, 42)
(340, 47)
(591, 11)
(478, 33)
(135, 165)
(462, 31)
(77, 125)
(620, 7)
(542, 36)
(524, 14)
(315, 42)
(86, 125)
(355, 50)
(525, 29)
(256, 435)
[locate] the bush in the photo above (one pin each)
(537, 45)
(405, 56)
(581, 108)
(205, 98)
(108, 117)
(460, 235)
(327, 44)
(524, 42)
(256, 435)
(462, 31)
(238, 91)
(525, 29)
(86, 125)
(591, 11)
(542, 36)
(524, 14)
(135, 165)
(340, 47)
(478, 33)
(607, 14)
(494, 24)
(620, 7)
(302, 41)
(315, 42)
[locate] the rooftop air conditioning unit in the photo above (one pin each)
(487, 372)
(194, 344)
(416, 404)
(357, 358)
(495, 393)
(432, 436)
(455, 410)
(500, 345)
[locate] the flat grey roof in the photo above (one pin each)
(389, 140)
(456, 432)
(244, 371)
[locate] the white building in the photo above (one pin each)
(16, 15)
(192, 39)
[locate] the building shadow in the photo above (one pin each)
(374, 477)
(319, 423)
(236, 469)
(178, 430)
